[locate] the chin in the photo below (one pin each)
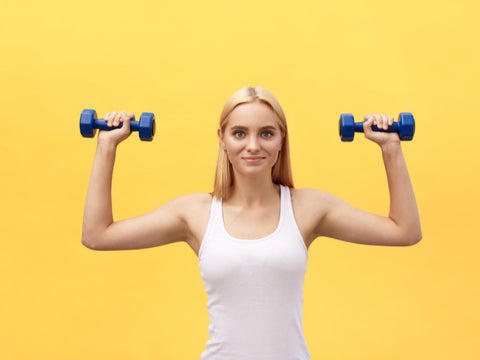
(255, 170)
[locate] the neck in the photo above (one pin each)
(253, 192)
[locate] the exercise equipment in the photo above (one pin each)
(89, 125)
(405, 127)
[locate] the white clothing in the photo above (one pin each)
(255, 290)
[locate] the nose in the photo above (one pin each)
(253, 145)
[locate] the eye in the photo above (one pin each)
(267, 134)
(238, 134)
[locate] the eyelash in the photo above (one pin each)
(270, 134)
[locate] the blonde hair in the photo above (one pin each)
(281, 171)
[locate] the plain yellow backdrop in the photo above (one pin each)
(181, 60)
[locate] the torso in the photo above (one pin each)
(256, 223)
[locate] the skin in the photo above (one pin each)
(252, 140)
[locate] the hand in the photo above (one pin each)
(116, 136)
(381, 122)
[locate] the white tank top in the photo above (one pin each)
(255, 290)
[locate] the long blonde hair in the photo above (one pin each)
(281, 171)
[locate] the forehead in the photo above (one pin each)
(252, 114)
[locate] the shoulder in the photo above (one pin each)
(308, 196)
(317, 203)
(195, 198)
(310, 207)
(189, 203)
(312, 202)
(309, 202)
(194, 211)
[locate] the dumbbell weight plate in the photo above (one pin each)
(346, 127)
(407, 126)
(146, 125)
(87, 119)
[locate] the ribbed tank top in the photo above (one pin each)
(255, 290)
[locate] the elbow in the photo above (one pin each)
(90, 243)
(414, 237)
(92, 238)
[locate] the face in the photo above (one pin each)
(252, 138)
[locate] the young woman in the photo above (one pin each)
(252, 234)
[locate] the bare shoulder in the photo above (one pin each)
(311, 202)
(193, 207)
(309, 207)
(310, 198)
(306, 192)
(195, 201)
(194, 210)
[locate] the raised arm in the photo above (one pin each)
(159, 227)
(402, 227)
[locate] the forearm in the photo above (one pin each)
(98, 205)
(403, 206)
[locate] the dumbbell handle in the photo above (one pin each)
(101, 124)
(358, 126)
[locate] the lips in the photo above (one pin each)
(253, 159)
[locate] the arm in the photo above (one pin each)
(159, 227)
(402, 227)
(97, 214)
(403, 206)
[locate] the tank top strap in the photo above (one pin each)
(289, 216)
(286, 201)
(214, 221)
(215, 213)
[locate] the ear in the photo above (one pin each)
(220, 138)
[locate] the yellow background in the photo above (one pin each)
(182, 60)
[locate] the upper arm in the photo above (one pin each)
(342, 221)
(164, 225)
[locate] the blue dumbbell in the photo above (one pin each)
(405, 127)
(89, 125)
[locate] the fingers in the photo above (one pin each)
(381, 121)
(368, 119)
(115, 118)
(386, 121)
(110, 117)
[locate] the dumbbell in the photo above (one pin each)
(89, 125)
(405, 127)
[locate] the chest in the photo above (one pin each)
(251, 224)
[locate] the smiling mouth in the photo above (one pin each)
(253, 159)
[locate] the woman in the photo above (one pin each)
(252, 234)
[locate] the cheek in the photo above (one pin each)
(274, 150)
(276, 147)
(233, 147)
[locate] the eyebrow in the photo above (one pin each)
(239, 127)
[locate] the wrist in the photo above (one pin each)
(391, 147)
(106, 145)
